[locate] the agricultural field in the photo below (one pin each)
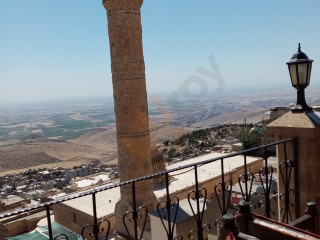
(60, 121)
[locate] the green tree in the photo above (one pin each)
(248, 139)
(59, 185)
(171, 152)
(181, 140)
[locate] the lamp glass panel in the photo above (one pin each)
(293, 74)
(303, 72)
(309, 72)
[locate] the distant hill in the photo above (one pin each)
(33, 152)
(162, 132)
(253, 115)
(106, 138)
(99, 144)
(98, 138)
(16, 161)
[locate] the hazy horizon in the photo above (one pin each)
(168, 96)
(163, 95)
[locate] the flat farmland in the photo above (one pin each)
(70, 133)
(60, 120)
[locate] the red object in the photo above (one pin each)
(236, 200)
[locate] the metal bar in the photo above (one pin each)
(49, 222)
(246, 177)
(95, 219)
(287, 199)
(296, 177)
(135, 215)
(223, 188)
(199, 222)
(170, 232)
(267, 192)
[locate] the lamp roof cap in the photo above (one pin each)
(299, 57)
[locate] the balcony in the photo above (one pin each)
(191, 200)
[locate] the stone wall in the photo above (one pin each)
(75, 220)
(20, 224)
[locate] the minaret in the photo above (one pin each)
(130, 101)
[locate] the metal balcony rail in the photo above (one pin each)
(197, 198)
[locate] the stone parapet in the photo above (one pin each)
(304, 153)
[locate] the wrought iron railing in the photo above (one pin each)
(168, 207)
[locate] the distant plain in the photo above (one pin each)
(70, 133)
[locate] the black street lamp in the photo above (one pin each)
(300, 71)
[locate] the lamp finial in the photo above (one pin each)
(299, 48)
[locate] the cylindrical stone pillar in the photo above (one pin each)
(130, 103)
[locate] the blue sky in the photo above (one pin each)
(60, 49)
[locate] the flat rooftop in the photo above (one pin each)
(11, 199)
(106, 200)
(92, 181)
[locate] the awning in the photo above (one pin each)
(42, 233)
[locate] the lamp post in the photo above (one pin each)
(300, 71)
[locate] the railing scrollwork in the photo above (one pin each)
(102, 233)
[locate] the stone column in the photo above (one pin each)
(130, 101)
(304, 152)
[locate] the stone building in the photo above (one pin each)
(19, 224)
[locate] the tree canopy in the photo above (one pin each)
(248, 139)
